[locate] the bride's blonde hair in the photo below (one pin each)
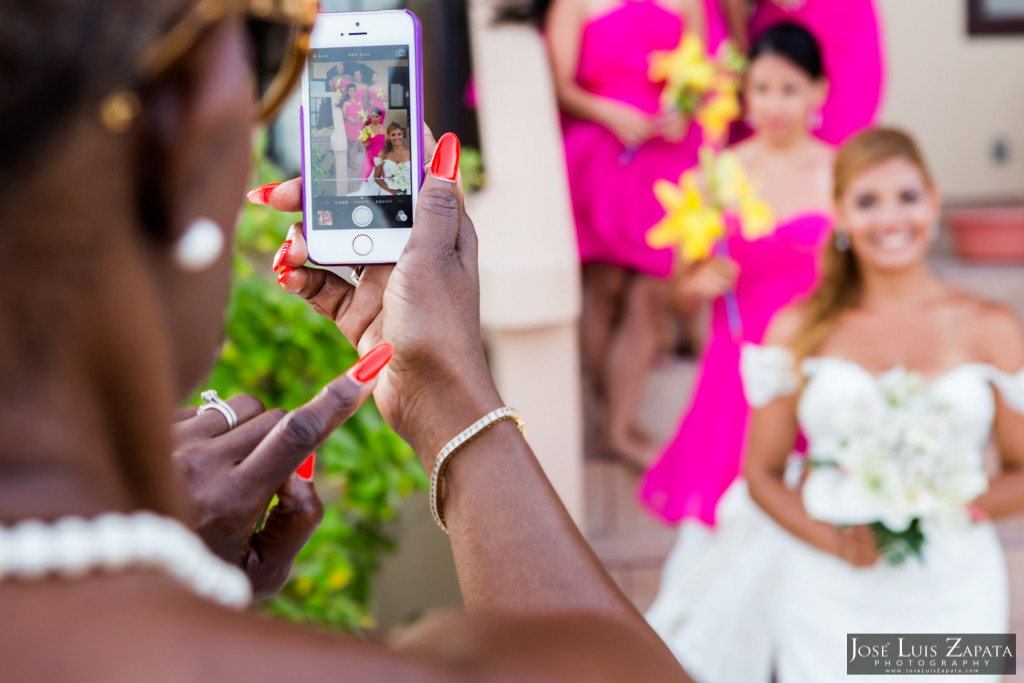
(841, 282)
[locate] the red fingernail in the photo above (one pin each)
(370, 365)
(261, 194)
(305, 470)
(281, 254)
(282, 274)
(446, 157)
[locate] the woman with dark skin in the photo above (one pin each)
(92, 371)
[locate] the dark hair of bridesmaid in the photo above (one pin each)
(793, 43)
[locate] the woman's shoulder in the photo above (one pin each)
(999, 334)
(991, 329)
(786, 324)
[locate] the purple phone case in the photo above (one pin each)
(416, 115)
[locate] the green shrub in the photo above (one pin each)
(279, 349)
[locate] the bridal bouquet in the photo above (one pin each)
(898, 464)
(401, 179)
(700, 85)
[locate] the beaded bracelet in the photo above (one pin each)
(446, 453)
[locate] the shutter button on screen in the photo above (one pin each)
(362, 245)
(362, 216)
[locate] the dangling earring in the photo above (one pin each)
(200, 246)
(933, 234)
(814, 120)
(842, 242)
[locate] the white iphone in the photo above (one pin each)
(362, 126)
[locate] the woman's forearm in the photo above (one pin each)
(1005, 495)
(577, 102)
(515, 546)
(786, 507)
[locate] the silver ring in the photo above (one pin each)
(211, 401)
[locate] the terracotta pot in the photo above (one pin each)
(990, 234)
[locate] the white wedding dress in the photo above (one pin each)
(760, 600)
(397, 176)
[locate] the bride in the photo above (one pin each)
(800, 574)
(392, 173)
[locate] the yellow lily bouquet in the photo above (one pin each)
(695, 217)
(696, 211)
(699, 85)
(365, 134)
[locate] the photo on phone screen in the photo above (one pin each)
(360, 94)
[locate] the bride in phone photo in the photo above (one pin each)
(392, 173)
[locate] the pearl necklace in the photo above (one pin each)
(72, 548)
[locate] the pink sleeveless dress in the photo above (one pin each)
(611, 186)
(351, 110)
(373, 151)
(851, 42)
(704, 457)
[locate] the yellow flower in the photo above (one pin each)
(688, 224)
(756, 219)
(687, 66)
(365, 134)
(734, 188)
(718, 113)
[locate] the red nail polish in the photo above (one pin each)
(282, 274)
(446, 157)
(281, 254)
(261, 194)
(305, 470)
(370, 365)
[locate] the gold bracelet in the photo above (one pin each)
(443, 457)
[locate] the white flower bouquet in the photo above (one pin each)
(898, 463)
(401, 179)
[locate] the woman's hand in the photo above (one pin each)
(672, 125)
(230, 477)
(707, 279)
(630, 125)
(856, 545)
(427, 305)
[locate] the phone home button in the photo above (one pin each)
(362, 245)
(362, 216)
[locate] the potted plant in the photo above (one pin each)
(989, 234)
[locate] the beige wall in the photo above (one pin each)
(958, 94)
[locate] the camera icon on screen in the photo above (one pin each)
(401, 52)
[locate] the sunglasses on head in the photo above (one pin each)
(278, 32)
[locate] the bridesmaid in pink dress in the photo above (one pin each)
(791, 170)
(850, 36)
(350, 106)
(618, 141)
(374, 144)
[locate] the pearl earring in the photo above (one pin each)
(200, 246)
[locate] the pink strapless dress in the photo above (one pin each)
(611, 186)
(373, 151)
(850, 37)
(704, 457)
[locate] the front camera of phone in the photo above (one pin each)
(357, 23)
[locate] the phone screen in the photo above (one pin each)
(360, 147)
